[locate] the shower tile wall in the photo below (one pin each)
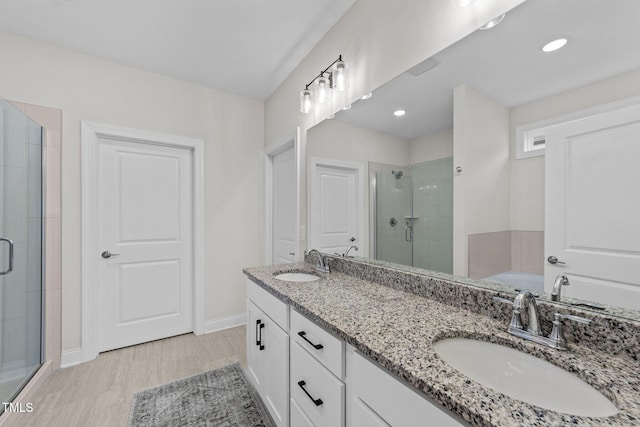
(393, 200)
(433, 209)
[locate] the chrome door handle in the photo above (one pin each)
(554, 260)
(408, 232)
(10, 269)
(107, 254)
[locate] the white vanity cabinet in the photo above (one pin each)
(268, 351)
(307, 377)
(376, 398)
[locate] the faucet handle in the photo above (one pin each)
(516, 321)
(557, 333)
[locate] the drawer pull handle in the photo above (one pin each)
(317, 402)
(259, 327)
(303, 336)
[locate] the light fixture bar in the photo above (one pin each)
(332, 77)
(323, 72)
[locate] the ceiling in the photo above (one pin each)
(246, 47)
(507, 64)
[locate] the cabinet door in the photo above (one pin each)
(268, 363)
(391, 400)
(255, 359)
(363, 416)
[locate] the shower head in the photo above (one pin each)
(397, 174)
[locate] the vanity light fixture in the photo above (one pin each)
(493, 22)
(346, 107)
(334, 77)
(399, 113)
(367, 96)
(554, 45)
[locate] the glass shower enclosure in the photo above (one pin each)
(21, 237)
(411, 218)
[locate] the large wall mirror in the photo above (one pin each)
(443, 168)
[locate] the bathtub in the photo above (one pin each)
(519, 280)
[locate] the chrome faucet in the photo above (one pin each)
(526, 301)
(561, 280)
(322, 265)
(346, 253)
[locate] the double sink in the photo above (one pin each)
(511, 372)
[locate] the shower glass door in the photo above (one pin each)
(20, 250)
(412, 214)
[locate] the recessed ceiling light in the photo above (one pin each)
(554, 45)
(493, 22)
(367, 96)
(347, 107)
(399, 113)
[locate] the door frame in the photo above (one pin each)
(90, 133)
(361, 183)
(291, 140)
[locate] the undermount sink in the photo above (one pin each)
(297, 277)
(524, 377)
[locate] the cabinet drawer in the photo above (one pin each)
(323, 346)
(395, 403)
(298, 417)
(318, 393)
(277, 310)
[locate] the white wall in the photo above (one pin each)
(527, 175)
(481, 193)
(433, 146)
(87, 88)
(379, 39)
(333, 139)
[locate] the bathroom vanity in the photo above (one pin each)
(344, 350)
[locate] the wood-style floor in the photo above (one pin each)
(98, 393)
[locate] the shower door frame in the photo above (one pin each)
(50, 119)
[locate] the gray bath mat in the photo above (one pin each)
(220, 398)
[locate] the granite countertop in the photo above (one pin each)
(397, 329)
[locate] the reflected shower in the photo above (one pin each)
(397, 174)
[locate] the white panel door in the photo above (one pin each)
(145, 221)
(335, 208)
(592, 211)
(284, 209)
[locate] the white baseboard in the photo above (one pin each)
(74, 356)
(215, 325)
(71, 357)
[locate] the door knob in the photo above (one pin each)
(554, 260)
(107, 254)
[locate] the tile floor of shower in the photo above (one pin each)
(99, 393)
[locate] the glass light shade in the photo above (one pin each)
(323, 91)
(340, 76)
(306, 101)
